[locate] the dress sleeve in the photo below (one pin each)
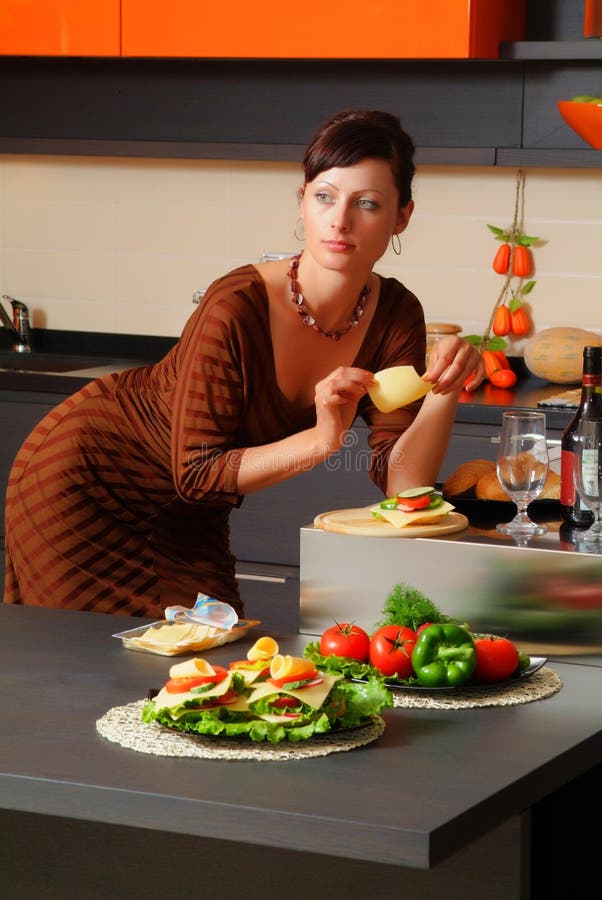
(210, 396)
(403, 344)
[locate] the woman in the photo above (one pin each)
(119, 499)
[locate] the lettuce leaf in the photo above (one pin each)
(348, 705)
(350, 668)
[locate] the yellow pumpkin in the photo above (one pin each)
(556, 354)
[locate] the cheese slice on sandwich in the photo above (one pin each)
(400, 519)
(314, 694)
(292, 667)
(191, 668)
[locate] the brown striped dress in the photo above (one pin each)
(119, 499)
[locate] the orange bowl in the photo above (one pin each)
(585, 119)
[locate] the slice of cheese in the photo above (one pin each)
(168, 634)
(314, 695)
(263, 648)
(396, 387)
(191, 668)
(400, 519)
(296, 667)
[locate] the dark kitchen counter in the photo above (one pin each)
(117, 352)
(62, 361)
(445, 803)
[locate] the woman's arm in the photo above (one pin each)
(418, 454)
(218, 350)
(336, 399)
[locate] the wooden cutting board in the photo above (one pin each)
(361, 522)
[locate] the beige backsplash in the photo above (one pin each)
(120, 245)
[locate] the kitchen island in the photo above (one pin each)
(460, 803)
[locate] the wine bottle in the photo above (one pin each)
(573, 511)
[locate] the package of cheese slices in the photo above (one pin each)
(271, 697)
(209, 623)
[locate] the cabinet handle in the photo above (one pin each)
(274, 579)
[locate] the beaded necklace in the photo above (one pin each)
(308, 319)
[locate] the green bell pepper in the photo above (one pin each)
(444, 656)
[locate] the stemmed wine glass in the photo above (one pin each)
(522, 467)
(588, 475)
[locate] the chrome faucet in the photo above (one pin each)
(20, 326)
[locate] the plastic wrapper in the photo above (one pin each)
(209, 623)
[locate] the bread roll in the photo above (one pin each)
(466, 476)
(551, 489)
(489, 488)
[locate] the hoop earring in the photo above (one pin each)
(299, 227)
(396, 244)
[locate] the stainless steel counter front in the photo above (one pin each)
(546, 595)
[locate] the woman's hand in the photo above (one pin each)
(336, 400)
(452, 361)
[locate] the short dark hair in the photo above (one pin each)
(356, 134)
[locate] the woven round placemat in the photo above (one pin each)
(542, 683)
(123, 725)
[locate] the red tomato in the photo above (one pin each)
(421, 628)
(345, 639)
(291, 702)
(408, 504)
(179, 685)
(391, 650)
(224, 700)
(497, 659)
(503, 378)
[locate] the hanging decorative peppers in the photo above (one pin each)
(510, 316)
(501, 320)
(521, 264)
(520, 321)
(501, 260)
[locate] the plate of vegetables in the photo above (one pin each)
(416, 647)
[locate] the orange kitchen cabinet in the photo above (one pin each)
(60, 27)
(385, 29)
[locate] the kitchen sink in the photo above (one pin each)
(49, 362)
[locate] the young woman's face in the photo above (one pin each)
(349, 214)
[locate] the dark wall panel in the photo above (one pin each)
(442, 104)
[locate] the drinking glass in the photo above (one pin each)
(588, 475)
(522, 466)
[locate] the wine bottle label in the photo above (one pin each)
(567, 483)
(589, 472)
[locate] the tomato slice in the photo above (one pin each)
(408, 504)
(181, 685)
(224, 700)
(214, 702)
(291, 702)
